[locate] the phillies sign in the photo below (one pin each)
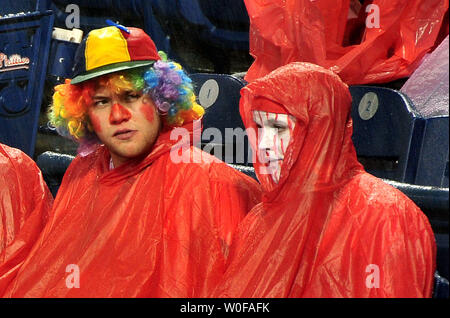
(13, 62)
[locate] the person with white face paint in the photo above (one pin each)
(325, 227)
(274, 131)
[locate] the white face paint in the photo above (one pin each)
(274, 135)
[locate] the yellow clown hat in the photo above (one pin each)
(112, 49)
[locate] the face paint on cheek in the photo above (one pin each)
(275, 145)
(95, 121)
(283, 149)
(148, 111)
(260, 121)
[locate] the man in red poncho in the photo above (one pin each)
(325, 227)
(25, 203)
(144, 214)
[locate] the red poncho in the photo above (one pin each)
(25, 203)
(149, 228)
(328, 229)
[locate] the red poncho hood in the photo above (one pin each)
(321, 153)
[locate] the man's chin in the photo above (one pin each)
(127, 155)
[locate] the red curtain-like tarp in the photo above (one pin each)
(375, 43)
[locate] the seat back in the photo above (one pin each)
(432, 167)
(24, 48)
(387, 133)
(223, 130)
(53, 166)
(427, 88)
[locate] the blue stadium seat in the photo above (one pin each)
(61, 60)
(428, 88)
(395, 141)
(24, 48)
(53, 166)
(432, 168)
(386, 132)
(219, 95)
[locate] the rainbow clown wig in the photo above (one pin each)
(121, 58)
(165, 82)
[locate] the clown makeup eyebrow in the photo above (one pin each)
(270, 118)
(257, 118)
(100, 97)
(280, 120)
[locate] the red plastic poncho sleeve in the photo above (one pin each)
(25, 203)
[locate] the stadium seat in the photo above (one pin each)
(428, 87)
(61, 59)
(219, 95)
(386, 132)
(24, 49)
(53, 166)
(432, 168)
